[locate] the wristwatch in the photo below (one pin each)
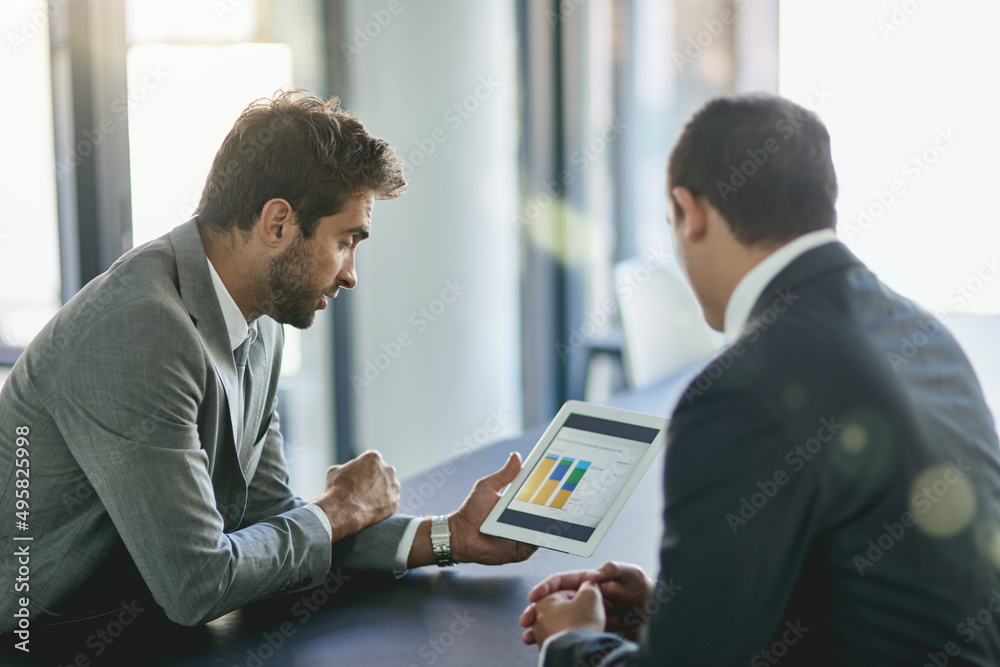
(441, 541)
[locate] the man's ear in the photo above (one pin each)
(277, 224)
(693, 216)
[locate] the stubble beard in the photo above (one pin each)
(292, 298)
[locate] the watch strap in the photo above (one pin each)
(441, 540)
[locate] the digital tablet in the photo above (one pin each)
(577, 478)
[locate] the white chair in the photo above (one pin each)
(663, 329)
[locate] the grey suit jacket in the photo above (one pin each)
(135, 477)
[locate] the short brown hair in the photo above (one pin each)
(763, 162)
(297, 147)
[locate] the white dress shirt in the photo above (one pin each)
(239, 331)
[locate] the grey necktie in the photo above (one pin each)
(240, 355)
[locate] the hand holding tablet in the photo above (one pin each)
(577, 478)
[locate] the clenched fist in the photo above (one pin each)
(359, 493)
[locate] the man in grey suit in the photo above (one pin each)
(146, 406)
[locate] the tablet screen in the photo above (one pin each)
(575, 482)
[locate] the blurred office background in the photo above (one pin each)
(536, 135)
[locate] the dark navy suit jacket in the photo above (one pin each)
(832, 491)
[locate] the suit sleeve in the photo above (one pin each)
(585, 647)
(727, 568)
(268, 493)
(372, 549)
(131, 424)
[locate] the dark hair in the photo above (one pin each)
(298, 147)
(763, 162)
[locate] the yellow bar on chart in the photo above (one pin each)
(546, 492)
(536, 478)
(561, 498)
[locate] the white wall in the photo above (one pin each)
(438, 81)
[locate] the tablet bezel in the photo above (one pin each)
(491, 526)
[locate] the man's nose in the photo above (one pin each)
(348, 277)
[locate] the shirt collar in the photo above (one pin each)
(236, 324)
(752, 285)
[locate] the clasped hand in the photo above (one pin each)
(611, 598)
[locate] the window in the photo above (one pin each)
(188, 80)
(30, 277)
(906, 90)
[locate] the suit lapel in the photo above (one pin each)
(199, 297)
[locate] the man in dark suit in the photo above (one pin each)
(832, 478)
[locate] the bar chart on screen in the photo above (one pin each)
(579, 477)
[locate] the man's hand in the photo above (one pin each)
(359, 493)
(468, 544)
(582, 609)
(625, 589)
